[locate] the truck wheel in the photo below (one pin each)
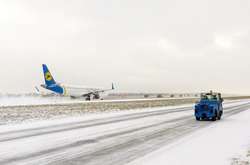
(219, 117)
(197, 118)
(213, 118)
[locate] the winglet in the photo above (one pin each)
(37, 89)
(113, 87)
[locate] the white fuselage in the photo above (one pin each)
(77, 91)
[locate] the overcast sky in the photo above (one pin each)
(140, 45)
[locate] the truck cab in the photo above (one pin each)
(209, 107)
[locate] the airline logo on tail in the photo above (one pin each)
(48, 76)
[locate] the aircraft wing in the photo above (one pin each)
(97, 91)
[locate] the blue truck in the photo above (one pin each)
(209, 107)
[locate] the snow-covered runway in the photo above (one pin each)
(113, 138)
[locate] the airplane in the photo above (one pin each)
(72, 91)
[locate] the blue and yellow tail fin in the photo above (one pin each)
(49, 80)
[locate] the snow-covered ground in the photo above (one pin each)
(58, 107)
(120, 137)
(27, 108)
(24, 100)
(219, 144)
(55, 140)
(40, 100)
(35, 100)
